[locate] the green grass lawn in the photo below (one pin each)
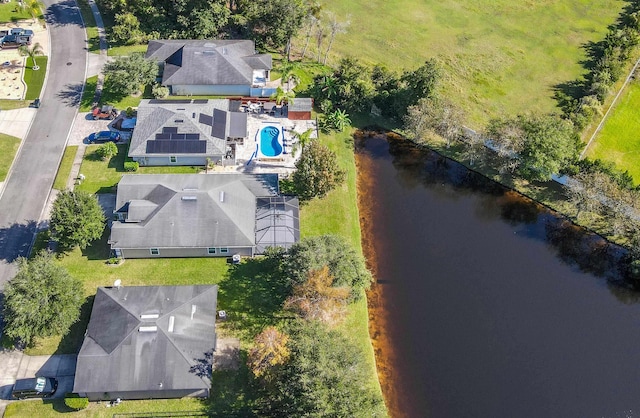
(10, 104)
(8, 149)
(499, 56)
(619, 139)
(88, 94)
(90, 25)
(126, 50)
(60, 183)
(11, 12)
(35, 79)
(103, 176)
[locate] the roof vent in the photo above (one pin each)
(193, 310)
(150, 316)
(190, 189)
(117, 283)
(208, 52)
(189, 198)
(179, 120)
(151, 328)
(172, 321)
(181, 108)
(222, 197)
(224, 50)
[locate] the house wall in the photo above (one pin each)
(205, 90)
(180, 160)
(183, 252)
(146, 394)
(292, 115)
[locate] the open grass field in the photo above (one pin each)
(499, 56)
(619, 139)
(8, 148)
(11, 12)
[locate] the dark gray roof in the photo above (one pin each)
(117, 356)
(208, 62)
(301, 104)
(173, 127)
(190, 210)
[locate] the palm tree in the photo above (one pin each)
(288, 75)
(303, 139)
(283, 96)
(36, 49)
(34, 7)
(340, 120)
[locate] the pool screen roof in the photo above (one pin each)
(277, 222)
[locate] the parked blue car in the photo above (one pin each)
(103, 136)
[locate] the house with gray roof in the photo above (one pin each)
(211, 67)
(187, 132)
(146, 342)
(202, 215)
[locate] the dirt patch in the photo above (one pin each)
(227, 355)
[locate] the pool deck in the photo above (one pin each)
(284, 163)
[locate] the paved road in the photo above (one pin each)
(28, 186)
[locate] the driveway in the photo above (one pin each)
(15, 365)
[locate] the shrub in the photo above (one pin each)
(130, 112)
(159, 92)
(75, 402)
(131, 166)
(107, 150)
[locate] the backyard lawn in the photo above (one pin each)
(619, 139)
(11, 12)
(8, 148)
(499, 56)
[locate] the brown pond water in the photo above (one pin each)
(486, 305)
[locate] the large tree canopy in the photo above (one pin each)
(324, 376)
(346, 265)
(127, 75)
(317, 172)
(41, 300)
(76, 219)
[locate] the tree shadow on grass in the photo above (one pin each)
(99, 249)
(252, 295)
(72, 340)
(232, 393)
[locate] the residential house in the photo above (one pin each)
(146, 342)
(202, 215)
(187, 132)
(212, 67)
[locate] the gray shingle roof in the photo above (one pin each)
(117, 357)
(208, 62)
(192, 210)
(196, 117)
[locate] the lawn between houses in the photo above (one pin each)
(248, 297)
(8, 148)
(499, 57)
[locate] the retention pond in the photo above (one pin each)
(486, 304)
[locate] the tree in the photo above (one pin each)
(32, 52)
(549, 145)
(107, 150)
(274, 23)
(281, 96)
(318, 299)
(435, 115)
(41, 300)
(76, 219)
(33, 7)
(325, 376)
(346, 265)
(335, 28)
(269, 350)
(317, 172)
(336, 120)
(302, 140)
(127, 75)
(126, 30)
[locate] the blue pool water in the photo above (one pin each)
(270, 145)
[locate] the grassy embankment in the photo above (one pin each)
(8, 149)
(499, 57)
(619, 141)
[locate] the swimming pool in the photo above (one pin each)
(270, 141)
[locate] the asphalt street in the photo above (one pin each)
(28, 186)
